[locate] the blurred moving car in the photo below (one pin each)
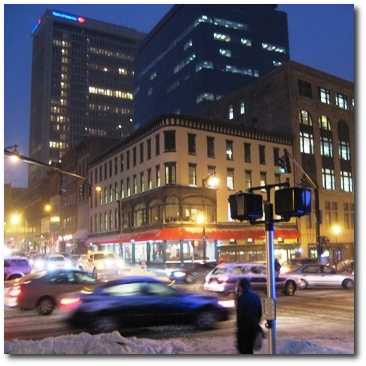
(41, 289)
(189, 273)
(224, 278)
(101, 263)
(345, 266)
(294, 263)
(16, 267)
(140, 301)
(321, 275)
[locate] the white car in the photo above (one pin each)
(224, 278)
(56, 261)
(101, 263)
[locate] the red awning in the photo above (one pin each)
(181, 233)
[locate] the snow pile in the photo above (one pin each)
(115, 344)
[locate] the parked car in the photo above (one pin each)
(101, 263)
(294, 263)
(16, 267)
(42, 288)
(345, 266)
(224, 278)
(321, 275)
(140, 301)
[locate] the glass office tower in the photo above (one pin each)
(198, 53)
(82, 84)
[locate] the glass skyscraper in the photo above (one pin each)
(82, 84)
(199, 53)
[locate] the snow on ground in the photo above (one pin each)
(115, 344)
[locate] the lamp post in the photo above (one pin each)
(48, 209)
(336, 231)
(203, 218)
(120, 218)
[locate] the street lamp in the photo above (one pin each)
(120, 218)
(14, 153)
(213, 182)
(336, 231)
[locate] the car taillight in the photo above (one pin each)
(15, 291)
(222, 279)
(67, 301)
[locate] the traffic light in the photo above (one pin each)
(246, 206)
(82, 190)
(293, 201)
(284, 163)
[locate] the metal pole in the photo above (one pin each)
(203, 222)
(120, 224)
(271, 285)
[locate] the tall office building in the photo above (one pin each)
(198, 53)
(82, 84)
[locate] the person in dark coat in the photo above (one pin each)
(249, 314)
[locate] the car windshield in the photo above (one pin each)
(57, 259)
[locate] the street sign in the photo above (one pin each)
(268, 308)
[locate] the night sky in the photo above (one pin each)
(321, 36)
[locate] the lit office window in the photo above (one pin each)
(222, 37)
(341, 101)
(224, 52)
(346, 181)
(324, 95)
(306, 143)
(326, 146)
(328, 179)
(230, 178)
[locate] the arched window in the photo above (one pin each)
(324, 123)
(305, 118)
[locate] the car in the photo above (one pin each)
(16, 267)
(321, 275)
(189, 273)
(101, 264)
(224, 278)
(293, 263)
(57, 261)
(345, 266)
(140, 301)
(40, 290)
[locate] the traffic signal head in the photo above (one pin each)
(282, 164)
(293, 201)
(246, 206)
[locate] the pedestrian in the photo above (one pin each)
(277, 267)
(248, 314)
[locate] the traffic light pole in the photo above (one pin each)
(317, 209)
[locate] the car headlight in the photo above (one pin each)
(179, 274)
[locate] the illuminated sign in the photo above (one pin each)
(36, 26)
(73, 18)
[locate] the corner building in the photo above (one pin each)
(156, 200)
(198, 53)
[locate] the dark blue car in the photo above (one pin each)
(139, 302)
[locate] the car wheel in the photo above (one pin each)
(95, 273)
(290, 288)
(304, 284)
(206, 319)
(190, 279)
(348, 284)
(46, 306)
(103, 324)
